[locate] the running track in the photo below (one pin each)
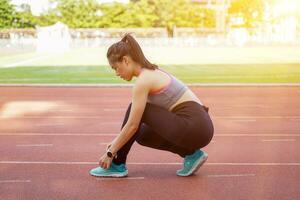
(50, 137)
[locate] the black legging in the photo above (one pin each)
(186, 128)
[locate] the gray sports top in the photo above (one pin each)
(168, 95)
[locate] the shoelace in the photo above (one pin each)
(186, 160)
(186, 164)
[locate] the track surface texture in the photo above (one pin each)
(50, 137)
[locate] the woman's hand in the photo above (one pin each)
(105, 161)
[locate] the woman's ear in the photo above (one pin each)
(126, 60)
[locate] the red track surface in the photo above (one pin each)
(254, 153)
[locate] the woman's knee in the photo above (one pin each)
(141, 140)
(146, 139)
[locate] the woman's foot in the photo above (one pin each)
(192, 163)
(113, 171)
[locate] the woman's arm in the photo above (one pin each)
(139, 99)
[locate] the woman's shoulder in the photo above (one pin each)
(154, 72)
(145, 76)
(148, 77)
(148, 73)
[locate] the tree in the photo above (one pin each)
(114, 15)
(6, 14)
(24, 18)
(75, 13)
(179, 13)
(92, 14)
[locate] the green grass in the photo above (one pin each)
(210, 73)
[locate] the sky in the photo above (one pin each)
(37, 6)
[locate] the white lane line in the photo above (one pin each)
(135, 163)
(108, 134)
(61, 117)
(28, 61)
(228, 175)
(214, 117)
(111, 123)
(130, 85)
(279, 140)
(66, 110)
(118, 179)
(256, 164)
(33, 145)
(60, 124)
(55, 134)
(295, 119)
(114, 109)
(243, 120)
(256, 117)
(257, 135)
(248, 105)
(15, 181)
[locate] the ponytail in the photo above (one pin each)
(129, 46)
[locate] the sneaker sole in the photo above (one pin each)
(110, 175)
(197, 166)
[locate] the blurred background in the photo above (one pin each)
(199, 40)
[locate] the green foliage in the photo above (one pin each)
(24, 19)
(165, 13)
(91, 14)
(114, 15)
(11, 18)
(141, 14)
(78, 13)
(6, 14)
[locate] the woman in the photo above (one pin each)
(164, 114)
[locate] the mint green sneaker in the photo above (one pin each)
(192, 163)
(113, 171)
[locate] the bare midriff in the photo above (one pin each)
(187, 96)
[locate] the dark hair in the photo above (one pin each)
(128, 46)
